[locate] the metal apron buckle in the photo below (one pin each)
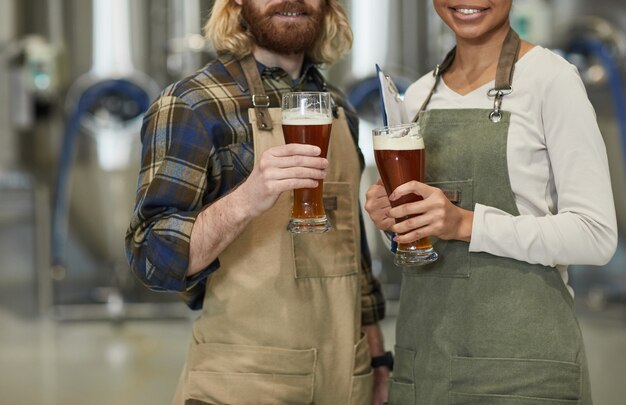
(495, 116)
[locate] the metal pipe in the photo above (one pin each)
(7, 26)
(371, 26)
(8, 141)
(55, 21)
(112, 57)
(186, 41)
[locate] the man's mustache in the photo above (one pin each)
(290, 7)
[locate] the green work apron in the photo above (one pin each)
(474, 328)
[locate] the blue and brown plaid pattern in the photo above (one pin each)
(197, 146)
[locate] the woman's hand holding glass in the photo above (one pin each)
(402, 203)
(377, 206)
(435, 215)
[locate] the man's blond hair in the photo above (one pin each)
(226, 31)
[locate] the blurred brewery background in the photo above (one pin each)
(75, 79)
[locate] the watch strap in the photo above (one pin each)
(386, 360)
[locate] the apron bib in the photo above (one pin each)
(474, 328)
(281, 322)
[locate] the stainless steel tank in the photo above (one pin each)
(135, 43)
(104, 172)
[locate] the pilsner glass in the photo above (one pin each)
(399, 153)
(307, 118)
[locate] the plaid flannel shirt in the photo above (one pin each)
(197, 146)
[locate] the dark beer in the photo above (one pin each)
(400, 160)
(308, 202)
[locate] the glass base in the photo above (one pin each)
(309, 225)
(418, 257)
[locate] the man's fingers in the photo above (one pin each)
(292, 155)
(295, 173)
(295, 149)
(289, 184)
(301, 161)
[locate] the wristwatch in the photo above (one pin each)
(386, 360)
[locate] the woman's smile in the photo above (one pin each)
(468, 13)
(475, 19)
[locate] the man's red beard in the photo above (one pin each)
(283, 38)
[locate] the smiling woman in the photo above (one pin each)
(492, 320)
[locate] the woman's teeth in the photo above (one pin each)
(468, 11)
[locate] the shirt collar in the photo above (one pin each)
(233, 67)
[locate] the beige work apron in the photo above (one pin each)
(281, 322)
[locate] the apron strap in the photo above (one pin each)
(504, 74)
(506, 64)
(439, 69)
(260, 100)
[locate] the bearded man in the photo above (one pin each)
(286, 319)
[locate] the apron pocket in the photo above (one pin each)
(453, 261)
(362, 359)
(362, 375)
(466, 399)
(401, 386)
(404, 365)
(362, 389)
(237, 374)
(459, 192)
(454, 258)
(401, 393)
(513, 381)
(335, 253)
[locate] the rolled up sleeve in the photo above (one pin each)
(171, 184)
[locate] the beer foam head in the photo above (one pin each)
(295, 117)
(403, 138)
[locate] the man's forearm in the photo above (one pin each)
(381, 374)
(215, 228)
(374, 339)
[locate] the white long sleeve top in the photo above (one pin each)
(557, 167)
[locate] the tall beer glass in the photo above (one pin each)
(307, 118)
(399, 153)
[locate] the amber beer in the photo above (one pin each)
(400, 158)
(308, 201)
(307, 119)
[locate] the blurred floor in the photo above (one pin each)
(605, 341)
(138, 362)
(96, 363)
